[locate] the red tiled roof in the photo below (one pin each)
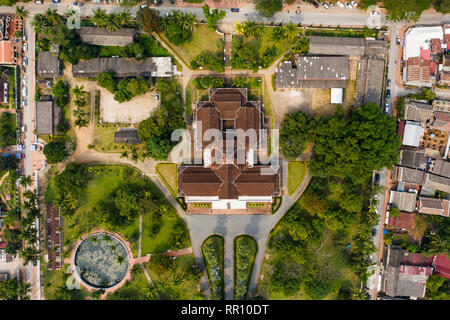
(447, 39)
(416, 259)
(442, 266)
(5, 52)
(425, 271)
(418, 69)
(404, 221)
(442, 121)
(425, 54)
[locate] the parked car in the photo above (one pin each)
(25, 47)
(25, 61)
(354, 4)
(340, 5)
(388, 93)
(375, 13)
(315, 4)
(24, 79)
(234, 9)
(142, 6)
(24, 91)
(24, 102)
(374, 232)
(389, 82)
(324, 5)
(376, 210)
(56, 1)
(331, 4)
(377, 178)
(386, 110)
(24, 38)
(156, 96)
(38, 1)
(24, 128)
(375, 197)
(398, 40)
(348, 5)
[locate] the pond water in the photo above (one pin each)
(102, 260)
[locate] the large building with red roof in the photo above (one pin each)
(442, 265)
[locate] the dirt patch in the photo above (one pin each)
(287, 101)
(133, 111)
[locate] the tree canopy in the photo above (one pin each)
(212, 16)
(267, 8)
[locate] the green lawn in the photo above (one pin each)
(213, 255)
(296, 174)
(104, 138)
(168, 174)
(103, 183)
(7, 129)
(245, 249)
(203, 41)
(133, 289)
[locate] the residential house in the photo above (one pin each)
(413, 134)
(404, 201)
(47, 117)
(434, 206)
(418, 111)
(440, 168)
(6, 52)
(441, 121)
(432, 183)
(400, 280)
(124, 67)
(408, 175)
(405, 221)
(313, 72)
(445, 71)
(105, 37)
(441, 264)
(344, 46)
(413, 159)
(48, 65)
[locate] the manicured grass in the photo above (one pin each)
(105, 181)
(245, 249)
(168, 173)
(203, 41)
(296, 174)
(104, 139)
(187, 288)
(52, 280)
(213, 255)
(7, 129)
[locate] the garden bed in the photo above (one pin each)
(213, 255)
(245, 249)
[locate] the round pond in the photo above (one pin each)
(102, 261)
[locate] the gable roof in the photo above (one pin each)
(414, 159)
(48, 64)
(403, 174)
(434, 206)
(127, 135)
(47, 117)
(441, 168)
(104, 37)
(336, 45)
(442, 265)
(404, 201)
(442, 121)
(405, 221)
(418, 111)
(124, 67)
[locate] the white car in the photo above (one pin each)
(375, 13)
(24, 80)
(348, 5)
(25, 61)
(375, 197)
(340, 5)
(331, 4)
(324, 5)
(376, 210)
(354, 4)
(25, 46)
(142, 6)
(24, 101)
(24, 91)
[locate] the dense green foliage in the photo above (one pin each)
(208, 61)
(113, 21)
(438, 288)
(267, 8)
(156, 130)
(245, 251)
(7, 129)
(207, 82)
(148, 20)
(212, 250)
(406, 9)
(61, 91)
(296, 131)
(178, 26)
(53, 27)
(13, 289)
(243, 56)
(125, 89)
(55, 151)
(212, 16)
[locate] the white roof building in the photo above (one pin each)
(418, 37)
(337, 95)
(413, 134)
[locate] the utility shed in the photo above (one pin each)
(104, 37)
(127, 135)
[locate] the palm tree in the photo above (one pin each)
(100, 17)
(277, 34)
(125, 18)
(30, 195)
(21, 12)
(124, 154)
(359, 294)
(189, 21)
(240, 28)
(26, 181)
(79, 91)
(150, 293)
(290, 31)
